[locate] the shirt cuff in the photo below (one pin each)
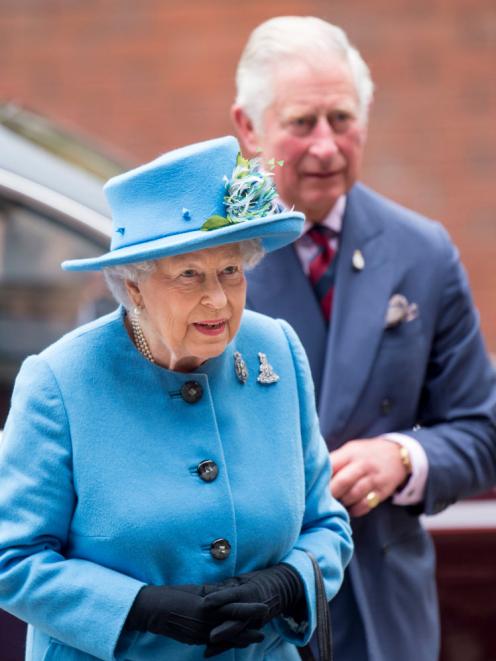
(413, 491)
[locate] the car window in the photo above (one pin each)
(38, 301)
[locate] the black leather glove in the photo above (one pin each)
(234, 633)
(181, 612)
(279, 587)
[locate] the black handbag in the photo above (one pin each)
(323, 630)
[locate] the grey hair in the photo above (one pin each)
(251, 251)
(295, 37)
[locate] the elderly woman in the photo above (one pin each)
(163, 480)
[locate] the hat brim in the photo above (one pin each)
(274, 231)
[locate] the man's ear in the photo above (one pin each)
(248, 138)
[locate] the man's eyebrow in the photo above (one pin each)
(290, 113)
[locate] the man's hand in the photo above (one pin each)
(366, 466)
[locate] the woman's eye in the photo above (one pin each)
(189, 273)
(230, 270)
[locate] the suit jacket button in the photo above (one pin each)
(386, 406)
(191, 391)
(220, 549)
(207, 470)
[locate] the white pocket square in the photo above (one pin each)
(400, 311)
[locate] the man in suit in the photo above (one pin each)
(406, 394)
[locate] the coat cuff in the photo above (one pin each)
(300, 635)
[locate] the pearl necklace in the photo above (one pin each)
(140, 340)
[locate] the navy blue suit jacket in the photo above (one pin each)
(429, 378)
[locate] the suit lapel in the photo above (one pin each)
(279, 288)
(359, 309)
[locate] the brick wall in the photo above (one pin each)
(154, 74)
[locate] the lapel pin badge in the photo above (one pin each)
(266, 374)
(240, 367)
(358, 261)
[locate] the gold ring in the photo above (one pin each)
(372, 499)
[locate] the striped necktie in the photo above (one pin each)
(322, 267)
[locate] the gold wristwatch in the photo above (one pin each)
(405, 459)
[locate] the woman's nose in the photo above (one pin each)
(214, 294)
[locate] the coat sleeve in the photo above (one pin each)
(326, 532)
(457, 411)
(77, 602)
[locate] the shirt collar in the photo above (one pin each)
(333, 220)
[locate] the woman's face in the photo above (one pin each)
(191, 305)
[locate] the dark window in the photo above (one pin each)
(38, 301)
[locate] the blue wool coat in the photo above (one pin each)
(100, 493)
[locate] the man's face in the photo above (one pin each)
(312, 125)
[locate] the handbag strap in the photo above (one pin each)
(323, 630)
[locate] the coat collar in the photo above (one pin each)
(359, 309)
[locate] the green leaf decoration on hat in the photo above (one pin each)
(242, 162)
(214, 222)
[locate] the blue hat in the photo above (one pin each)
(196, 197)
